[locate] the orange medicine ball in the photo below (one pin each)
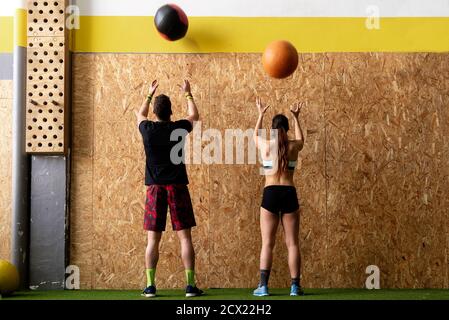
(280, 59)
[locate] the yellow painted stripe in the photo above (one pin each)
(20, 28)
(13, 31)
(226, 34)
(239, 34)
(6, 34)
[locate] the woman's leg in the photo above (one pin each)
(268, 226)
(290, 222)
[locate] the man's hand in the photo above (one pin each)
(153, 88)
(142, 114)
(295, 109)
(185, 87)
(262, 109)
(192, 112)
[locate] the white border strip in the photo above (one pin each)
(8, 7)
(256, 8)
(269, 8)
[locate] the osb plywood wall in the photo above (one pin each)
(5, 167)
(372, 181)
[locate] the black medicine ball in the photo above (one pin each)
(171, 22)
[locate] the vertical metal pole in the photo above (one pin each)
(20, 160)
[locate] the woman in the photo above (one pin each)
(279, 202)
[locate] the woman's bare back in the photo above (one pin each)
(285, 178)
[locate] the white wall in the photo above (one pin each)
(8, 7)
(255, 8)
(270, 8)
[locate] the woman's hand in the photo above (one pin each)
(153, 88)
(296, 109)
(262, 109)
(185, 87)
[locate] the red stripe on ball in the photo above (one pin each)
(164, 36)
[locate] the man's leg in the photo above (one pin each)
(152, 256)
(154, 223)
(187, 255)
(183, 219)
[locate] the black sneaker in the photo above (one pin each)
(149, 292)
(193, 291)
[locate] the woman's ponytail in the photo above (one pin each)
(280, 123)
(282, 151)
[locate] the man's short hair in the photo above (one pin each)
(162, 107)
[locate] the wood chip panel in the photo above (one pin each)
(385, 145)
(5, 167)
(372, 179)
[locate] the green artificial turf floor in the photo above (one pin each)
(239, 294)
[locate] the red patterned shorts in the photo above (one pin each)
(174, 196)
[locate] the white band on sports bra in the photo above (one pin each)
(269, 163)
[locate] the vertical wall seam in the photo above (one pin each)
(326, 177)
(92, 105)
(446, 260)
(209, 196)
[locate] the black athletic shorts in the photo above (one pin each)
(280, 199)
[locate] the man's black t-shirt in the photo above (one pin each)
(160, 169)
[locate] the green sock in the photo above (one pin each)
(150, 276)
(190, 277)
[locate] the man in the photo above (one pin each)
(166, 181)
